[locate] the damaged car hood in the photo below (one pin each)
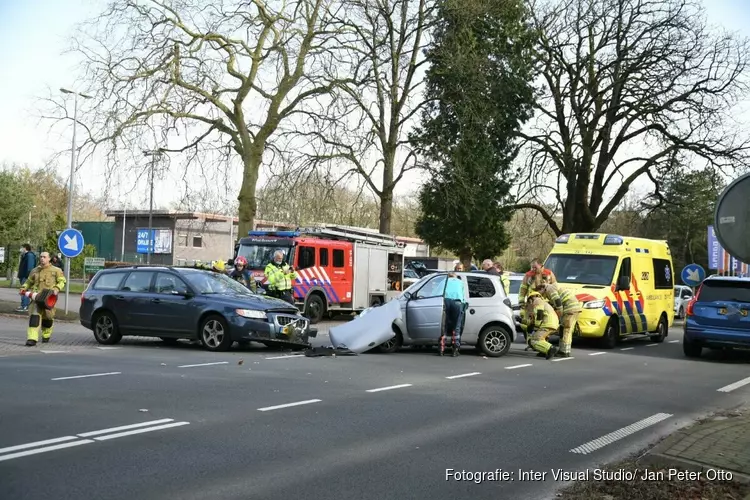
(368, 330)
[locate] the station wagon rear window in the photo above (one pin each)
(725, 290)
(109, 281)
(582, 269)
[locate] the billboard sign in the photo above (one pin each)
(160, 241)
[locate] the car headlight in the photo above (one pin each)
(594, 304)
(250, 313)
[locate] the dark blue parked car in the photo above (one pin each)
(173, 303)
(717, 317)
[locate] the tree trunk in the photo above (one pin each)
(386, 194)
(248, 202)
(386, 211)
(465, 257)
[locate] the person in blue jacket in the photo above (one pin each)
(454, 299)
(27, 264)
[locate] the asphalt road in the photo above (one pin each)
(260, 424)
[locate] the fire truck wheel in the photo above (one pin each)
(315, 308)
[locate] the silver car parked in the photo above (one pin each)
(488, 325)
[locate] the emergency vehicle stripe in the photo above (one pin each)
(635, 327)
(311, 280)
(639, 303)
(318, 279)
(330, 284)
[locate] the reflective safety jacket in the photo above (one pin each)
(541, 315)
(564, 301)
(279, 276)
(506, 283)
(45, 278)
(533, 279)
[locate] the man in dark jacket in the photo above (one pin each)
(27, 264)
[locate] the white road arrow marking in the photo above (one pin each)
(71, 243)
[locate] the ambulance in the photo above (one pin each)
(626, 284)
(340, 269)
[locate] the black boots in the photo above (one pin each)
(31, 343)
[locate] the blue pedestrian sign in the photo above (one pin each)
(693, 275)
(70, 243)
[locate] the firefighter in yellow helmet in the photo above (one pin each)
(45, 276)
(568, 308)
(540, 321)
(218, 266)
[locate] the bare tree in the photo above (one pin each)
(216, 78)
(630, 89)
(367, 129)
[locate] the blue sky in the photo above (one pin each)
(33, 35)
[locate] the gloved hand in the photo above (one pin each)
(21, 291)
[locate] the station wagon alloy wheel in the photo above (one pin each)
(213, 333)
(105, 329)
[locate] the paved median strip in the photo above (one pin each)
(736, 385)
(610, 438)
(205, 364)
(289, 405)
(64, 442)
(88, 376)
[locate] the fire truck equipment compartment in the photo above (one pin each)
(368, 331)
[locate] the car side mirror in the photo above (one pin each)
(623, 283)
(407, 295)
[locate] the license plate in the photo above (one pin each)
(722, 310)
(743, 312)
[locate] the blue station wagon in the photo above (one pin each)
(173, 303)
(717, 317)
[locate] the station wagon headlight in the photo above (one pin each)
(593, 304)
(251, 313)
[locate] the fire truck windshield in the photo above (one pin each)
(258, 255)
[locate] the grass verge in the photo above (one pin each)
(8, 308)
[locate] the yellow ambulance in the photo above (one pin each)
(626, 284)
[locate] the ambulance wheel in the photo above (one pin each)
(661, 330)
(315, 309)
(106, 330)
(611, 334)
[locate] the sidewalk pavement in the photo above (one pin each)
(721, 442)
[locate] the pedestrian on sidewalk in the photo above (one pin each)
(27, 264)
(44, 277)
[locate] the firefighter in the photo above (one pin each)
(280, 276)
(218, 266)
(567, 308)
(533, 278)
(43, 277)
(454, 300)
(540, 322)
(503, 277)
(242, 274)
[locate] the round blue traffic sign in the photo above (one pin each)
(70, 243)
(693, 275)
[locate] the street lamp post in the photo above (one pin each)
(154, 155)
(76, 95)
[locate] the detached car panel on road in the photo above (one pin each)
(173, 303)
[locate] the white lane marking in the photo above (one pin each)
(205, 364)
(108, 348)
(37, 443)
(87, 376)
(44, 450)
(563, 359)
(674, 341)
(610, 438)
(285, 357)
(517, 366)
(140, 431)
(289, 405)
(596, 353)
(627, 348)
(52, 352)
(125, 427)
(463, 375)
(736, 385)
(389, 388)
(651, 345)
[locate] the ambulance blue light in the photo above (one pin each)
(562, 238)
(613, 239)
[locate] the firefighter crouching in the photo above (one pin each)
(540, 321)
(44, 279)
(280, 277)
(567, 308)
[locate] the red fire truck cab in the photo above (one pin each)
(340, 269)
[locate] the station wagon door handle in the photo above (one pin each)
(120, 297)
(156, 301)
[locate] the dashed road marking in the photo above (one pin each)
(517, 366)
(627, 348)
(45, 449)
(674, 341)
(289, 405)
(125, 427)
(290, 356)
(735, 385)
(141, 431)
(205, 364)
(37, 443)
(463, 375)
(563, 359)
(651, 345)
(610, 438)
(87, 376)
(390, 387)
(596, 353)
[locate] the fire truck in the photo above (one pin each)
(340, 269)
